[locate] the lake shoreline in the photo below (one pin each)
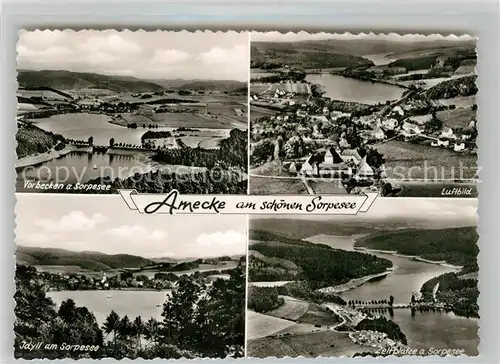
(442, 263)
(33, 160)
(354, 283)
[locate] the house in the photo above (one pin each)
(307, 169)
(447, 132)
(321, 118)
(292, 168)
(466, 136)
(351, 156)
(374, 134)
(364, 171)
(326, 111)
(378, 133)
(440, 143)
(459, 147)
(389, 124)
(301, 113)
(398, 110)
(411, 128)
(343, 143)
(333, 163)
(472, 123)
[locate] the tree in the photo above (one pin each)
(391, 300)
(111, 142)
(91, 140)
(111, 324)
(138, 329)
(374, 158)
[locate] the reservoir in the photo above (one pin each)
(80, 126)
(353, 90)
(79, 167)
(422, 329)
(132, 303)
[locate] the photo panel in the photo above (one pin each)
(96, 280)
(153, 111)
(390, 281)
(353, 113)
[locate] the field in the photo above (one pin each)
(462, 101)
(292, 309)
(260, 325)
(257, 112)
(328, 187)
(259, 88)
(457, 118)
(296, 87)
(310, 345)
(415, 161)
(273, 186)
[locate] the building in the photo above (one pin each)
(364, 171)
(459, 147)
(389, 124)
(301, 113)
(447, 133)
(307, 169)
(351, 156)
(440, 143)
(411, 128)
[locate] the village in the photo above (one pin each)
(299, 133)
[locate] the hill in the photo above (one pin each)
(320, 265)
(67, 80)
(87, 260)
(331, 53)
(196, 85)
(456, 245)
(463, 86)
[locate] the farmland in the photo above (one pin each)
(276, 186)
(309, 345)
(457, 118)
(417, 161)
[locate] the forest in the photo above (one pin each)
(461, 294)
(263, 299)
(215, 182)
(321, 265)
(381, 324)
(231, 153)
(455, 246)
(197, 320)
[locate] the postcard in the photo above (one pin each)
(189, 195)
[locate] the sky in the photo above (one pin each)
(105, 224)
(432, 212)
(302, 36)
(141, 54)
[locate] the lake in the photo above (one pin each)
(423, 329)
(79, 167)
(81, 126)
(131, 303)
(353, 90)
(379, 59)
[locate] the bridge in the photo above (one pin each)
(386, 306)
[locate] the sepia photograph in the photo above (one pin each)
(345, 113)
(96, 280)
(152, 111)
(391, 281)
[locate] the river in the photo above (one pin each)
(422, 329)
(353, 90)
(132, 303)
